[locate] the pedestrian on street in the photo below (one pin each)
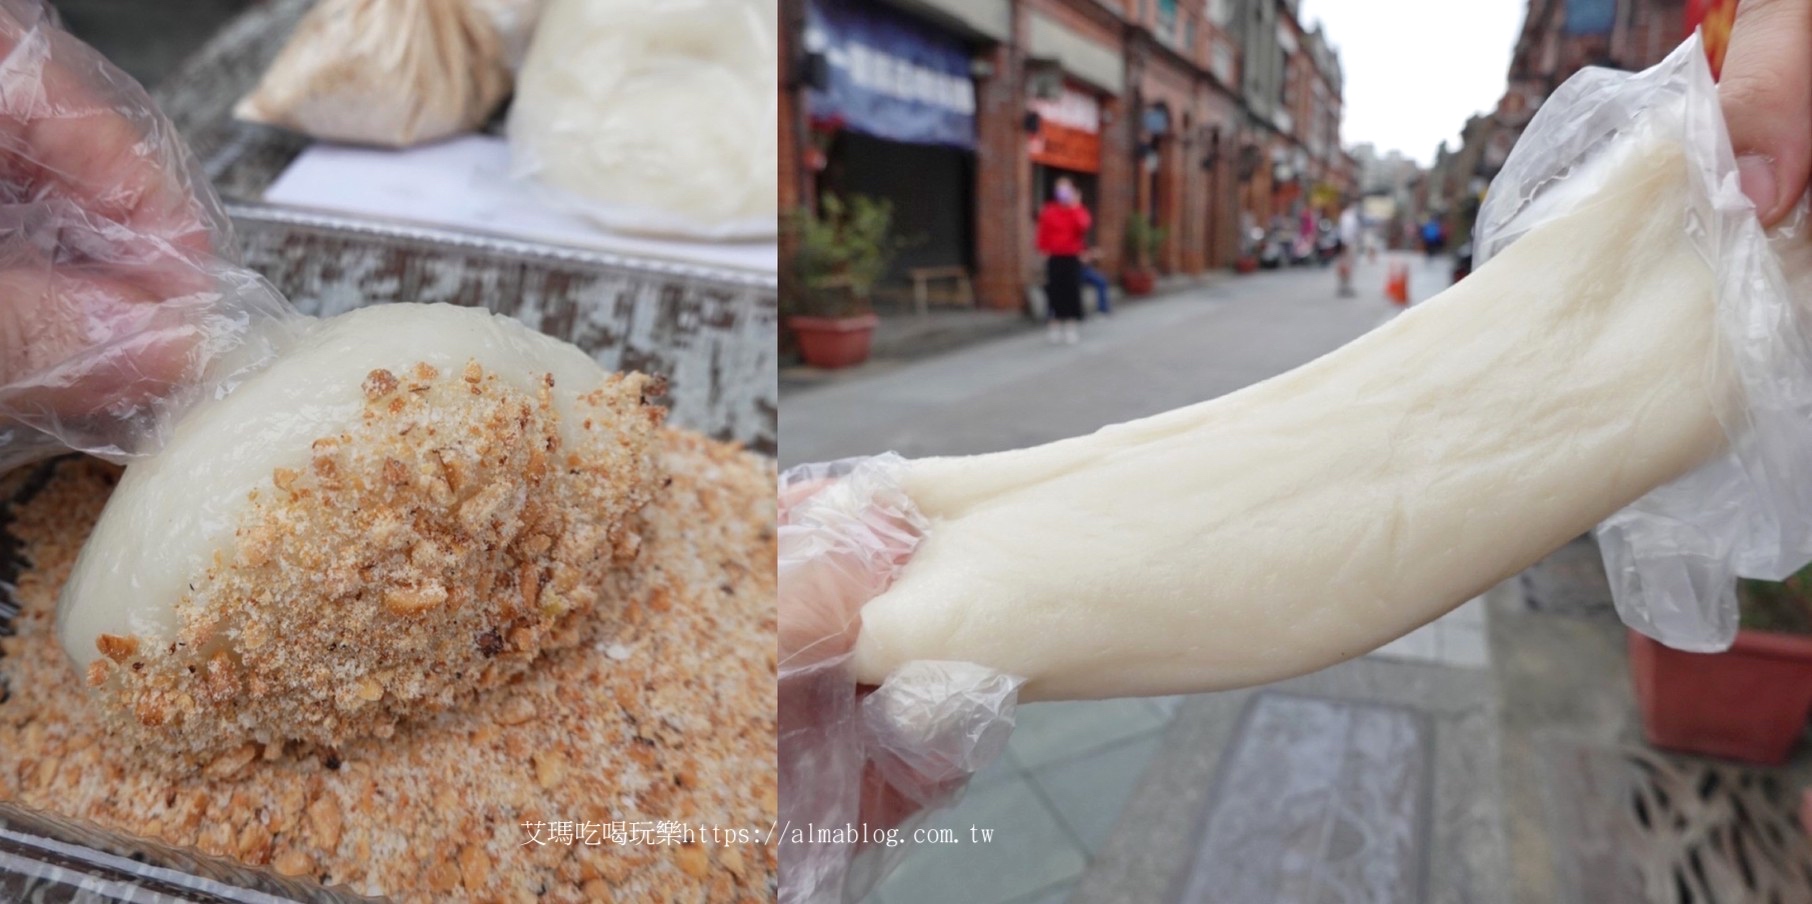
(1433, 236)
(1347, 235)
(1094, 277)
(1062, 238)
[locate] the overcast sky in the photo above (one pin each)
(1415, 69)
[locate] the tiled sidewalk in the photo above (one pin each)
(1068, 772)
(1051, 800)
(1455, 639)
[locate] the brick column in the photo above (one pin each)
(795, 177)
(1195, 206)
(1003, 177)
(1224, 185)
(1174, 188)
(1116, 186)
(1124, 152)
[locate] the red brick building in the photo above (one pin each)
(1558, 38)
(1561, 37)
(1142, 102)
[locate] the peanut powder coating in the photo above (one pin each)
(433, 549)
(400, 510)
(635, 686)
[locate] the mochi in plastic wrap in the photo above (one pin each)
(654, 117)
(389, 73)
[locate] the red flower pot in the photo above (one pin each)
(832, 342)
(1746, 703)
(1137, 281)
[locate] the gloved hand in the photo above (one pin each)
(1765, 92)
(874, 761)
(120, 303)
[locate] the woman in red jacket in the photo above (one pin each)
(1062, 238)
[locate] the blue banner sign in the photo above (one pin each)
(1590, 17)
(889, 75)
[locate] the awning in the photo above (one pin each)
(890, 75)
(1099, 66)
(991, 19)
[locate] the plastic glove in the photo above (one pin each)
(1672, 555)
(120, 304)
(1765, 91)
(874, 762)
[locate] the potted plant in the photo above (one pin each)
(839, 255)
(1749, 702)
(1143, 239)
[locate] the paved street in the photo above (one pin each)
(1148, 357)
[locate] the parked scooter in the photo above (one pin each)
(1302, 251)
(1274, 252)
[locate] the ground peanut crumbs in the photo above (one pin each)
(431, 550)
(680, 727)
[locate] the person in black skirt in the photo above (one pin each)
(1062, 238)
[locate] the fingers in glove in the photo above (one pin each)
(85, 344)
(74, 127)
(1765, 90)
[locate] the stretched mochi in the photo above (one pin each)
(406, 506)
(1317, 515)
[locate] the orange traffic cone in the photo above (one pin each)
(1396, 284)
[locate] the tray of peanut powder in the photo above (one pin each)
(623, 750)
(632, 760)
(635, 762)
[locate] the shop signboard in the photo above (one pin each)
(1069, 131)
(889, 75)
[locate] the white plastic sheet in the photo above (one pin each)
(392, 73)
(121, 302)
(1673, 555)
